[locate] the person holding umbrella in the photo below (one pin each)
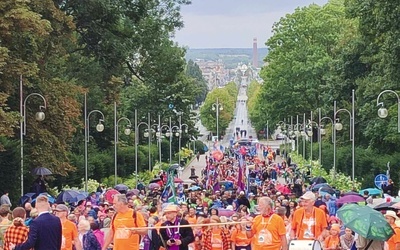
(393, 242)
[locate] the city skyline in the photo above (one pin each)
(232, 23)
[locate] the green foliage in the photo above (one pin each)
(227, 97)
(92, 185)
(193, 71)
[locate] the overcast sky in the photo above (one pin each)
(233, 23)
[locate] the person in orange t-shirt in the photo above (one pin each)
(267, 229)
(393, 242)
(69, 229)
(239, 237)
(308, 222)
(121, 226)
(332, 242)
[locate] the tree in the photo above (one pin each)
(193, 70)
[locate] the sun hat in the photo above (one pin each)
(308, 196)
(171, 208)
(391, 214)
(335, 227)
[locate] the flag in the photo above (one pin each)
(242, 164)
(169, 195)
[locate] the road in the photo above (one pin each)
(241, 113)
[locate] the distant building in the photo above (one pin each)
(255, 53)
(214, 72)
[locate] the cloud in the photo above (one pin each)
(232, 23)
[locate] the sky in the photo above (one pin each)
(233, 23)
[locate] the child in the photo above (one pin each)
(332, 242)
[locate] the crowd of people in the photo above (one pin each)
(251, 214)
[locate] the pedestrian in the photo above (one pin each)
(175, 238)
(267, 229)
(308, 222)
(89, 240)
(198, 156)
(393, 242)
(5, 199)
(17, 233)
(123, 230)
(69, 229)
(45, 232)
(4, 222)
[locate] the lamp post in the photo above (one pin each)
(170, 134)
(180, 136)
(217, 106)
(310, 133)
(99, 128)
(321, 132)
(148, 134)
(383, 112)
(279, 125)
(339, 126)
(39, 116)
(127, 131)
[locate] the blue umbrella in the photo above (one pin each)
(41, 171)
(121, 188)
(194, 188)
(371, 191)
(316, 187)
(26, 197)
(51, 198)
(68, 196)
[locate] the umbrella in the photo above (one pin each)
(26, 197)
(283, 189)
(68, 196)
(385, 206)
(326, 189)
(51, 198)
(365, 221)
(352, 193)
(316, 187)
(153, 186)
(349, 199)
(109, 195)
(194, 188)
(177, 180)
(189, 181)
(318, 180)
(371, 191)
(396, 205)
(41, 171)
(121, 188)
(155, 180)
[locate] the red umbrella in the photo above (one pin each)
(109, 195)
(178, 180)
(283, 189)
(218, 155)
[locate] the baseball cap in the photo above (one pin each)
(308, 196)
(62, 208)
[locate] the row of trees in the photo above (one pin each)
(115, 51)
(318, 54)
(227, 97)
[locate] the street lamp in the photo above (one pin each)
(383, 112)
(180, 136)
(170, 134)
(39, 116)
(148, 134)
(99, 128)
(338, 126)
(217, 107)
(127, 131)
(310, 132)
(321, 131)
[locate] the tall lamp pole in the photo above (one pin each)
(339, 126)
(148, 134)
(383, 112)
(127, 131)
(217, 106)
(180, 136)
(321, 132)
(99, 128)
(39, 116)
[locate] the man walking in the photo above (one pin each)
(45, 232)
(121, 226)
(69, 229)
(5, 200)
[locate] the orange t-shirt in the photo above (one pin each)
(332, 241)
(267, 232)
(124, 238)
(240, 238)
(395, 239)
(216, 239)
(192, 220)
(69, 233)
(309, 227)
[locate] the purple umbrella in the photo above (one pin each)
(350, 199)
(154, 185)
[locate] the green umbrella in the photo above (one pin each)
(365, 221)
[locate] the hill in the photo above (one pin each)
(230, 56)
